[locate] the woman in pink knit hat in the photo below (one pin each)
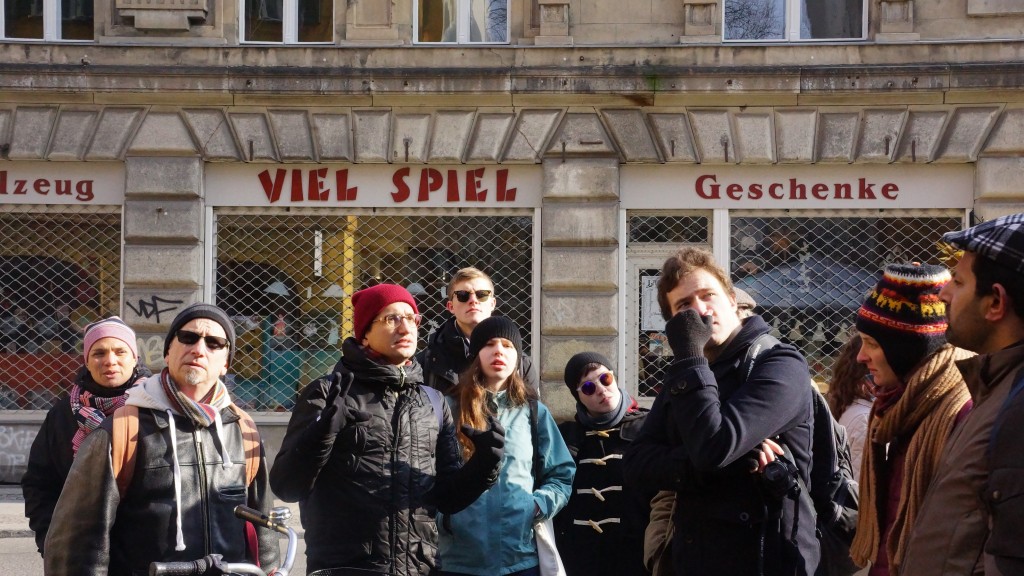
(111, 367)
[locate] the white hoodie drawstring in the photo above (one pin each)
(180, 545)
(219, 425)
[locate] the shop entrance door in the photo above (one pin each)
(647, 351)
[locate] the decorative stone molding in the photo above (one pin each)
(700, 18)
(167, 15)
(994, 7)
(554, 23)
(370, 21)
(896, 21)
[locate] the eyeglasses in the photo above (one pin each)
(392, 320)
(589, 387)
(481, 295)
(188, 338)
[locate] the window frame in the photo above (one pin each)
(791, 34)
(53, 10)
(462, 27)
(289, 26)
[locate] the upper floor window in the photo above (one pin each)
(794, 20)
(462, 21)
(288, 21)
(48, 19)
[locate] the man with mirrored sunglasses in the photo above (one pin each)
(471, 300)
(371, 455)
(196, 457)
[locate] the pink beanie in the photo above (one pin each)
(367, 302)
(112, 327)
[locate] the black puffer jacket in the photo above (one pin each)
(51, 457)
(700, 440)
(369, 496)
(445, 358)
(617, 550)
(93, 527)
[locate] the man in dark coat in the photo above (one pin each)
(714, 433)
(371, 455)
(471, 300)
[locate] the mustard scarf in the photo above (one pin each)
(923, 417)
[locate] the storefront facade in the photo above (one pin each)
(569, 174)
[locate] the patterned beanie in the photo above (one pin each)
(112, 327)
(496, 327)
(575, 366)
(367, 302)
(209, 312)
(904, 313)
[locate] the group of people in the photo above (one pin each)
(444, 462)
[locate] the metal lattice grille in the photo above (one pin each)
(60, 269)
(285, 279)
(810, 274)
(647, 228)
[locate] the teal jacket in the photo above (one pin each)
(494, 535)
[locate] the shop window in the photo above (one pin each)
(810, 274)
(794, 20)
(462, 21)
(59, 270)
(286, 279)
(288, 21)
(49, 20)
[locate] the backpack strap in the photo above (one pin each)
(763, 342)
(250, 443)
(434, 395)
(124, 443)
(538, 466)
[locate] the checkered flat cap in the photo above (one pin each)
(1000, 240)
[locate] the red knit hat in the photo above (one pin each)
(367, 302)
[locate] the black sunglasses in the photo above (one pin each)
(589, 387)
(188, 338)
(481, 295)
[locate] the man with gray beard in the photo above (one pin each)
(196, 457)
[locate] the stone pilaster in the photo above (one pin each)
(896, 21)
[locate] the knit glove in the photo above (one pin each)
(688, 332)
(488, 444)
(334, 416)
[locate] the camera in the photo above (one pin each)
(779, 479)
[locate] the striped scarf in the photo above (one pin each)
(923, 416)
(90, 411)
(204, 412)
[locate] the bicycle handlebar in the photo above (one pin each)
(191, 568)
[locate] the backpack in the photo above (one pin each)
(125, 442)
(834, 490)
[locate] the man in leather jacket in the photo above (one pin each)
(371, 455)
(471, 300)
(176, 501)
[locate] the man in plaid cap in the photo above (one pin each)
(973, 514)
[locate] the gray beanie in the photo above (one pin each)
(210, 312)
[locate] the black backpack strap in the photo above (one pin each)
(760, 344)
(538, 467)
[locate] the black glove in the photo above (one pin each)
(488, 444)
(335, 415)
(688, 332)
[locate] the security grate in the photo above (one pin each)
(60, 269)
(645, 228)
(809, 274)
(286, 278)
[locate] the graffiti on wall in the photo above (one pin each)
(152, 309)
(15, 443)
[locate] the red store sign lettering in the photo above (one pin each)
(708, 188)
(422, 185)
(81, 190)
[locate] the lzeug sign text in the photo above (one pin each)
(62, 183)
(820, 186)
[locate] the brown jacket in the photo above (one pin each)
(658, 536)
(952, 527)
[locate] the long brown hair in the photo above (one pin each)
(472, 394)
(847, 382)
